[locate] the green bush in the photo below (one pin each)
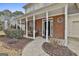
(0, 28)
(13, 33)
(0, 25)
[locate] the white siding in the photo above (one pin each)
(72, 8)
(36, 6)
(73, 26)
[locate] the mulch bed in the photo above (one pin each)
(58, 50)
(20, 44)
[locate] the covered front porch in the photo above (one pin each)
(48, 23)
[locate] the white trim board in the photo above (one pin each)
(73, 14)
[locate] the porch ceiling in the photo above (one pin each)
(53, 10)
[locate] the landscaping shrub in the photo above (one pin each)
(0, 26)
(57, 50)
(14, 33)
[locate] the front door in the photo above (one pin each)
(48, 28)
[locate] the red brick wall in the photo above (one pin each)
(38, 26)
(58, 26)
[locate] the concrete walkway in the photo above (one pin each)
(34, 48)
(74, 45)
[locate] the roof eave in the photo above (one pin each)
(26, 5)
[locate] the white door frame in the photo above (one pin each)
(43, 28)
(51, 28)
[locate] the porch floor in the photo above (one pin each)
(35, 48)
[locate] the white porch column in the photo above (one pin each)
(20, 24)
(33, 26)
(66, 17)
(42, 27)
(26, 27)
(46, 26)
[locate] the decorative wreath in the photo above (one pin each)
(60, 20)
